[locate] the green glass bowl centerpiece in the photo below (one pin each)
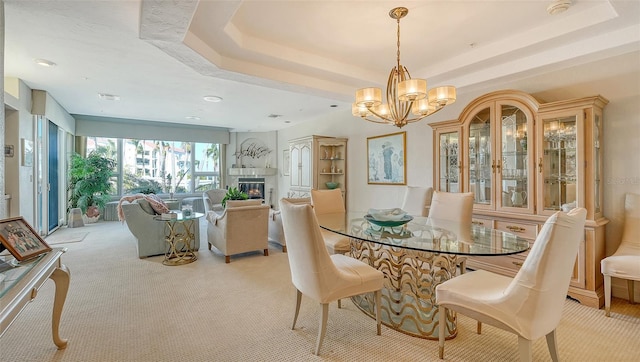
(332, 185)
(388, 223)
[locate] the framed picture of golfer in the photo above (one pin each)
(387, 159)
(20, 239)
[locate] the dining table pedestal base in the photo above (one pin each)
(409, 292)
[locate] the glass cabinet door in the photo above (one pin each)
(449, 162)
(513, 165)
(481, 164)
(558, 163)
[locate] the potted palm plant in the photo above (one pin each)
(89, 183)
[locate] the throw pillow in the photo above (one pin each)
(144, 204)
(157, 204)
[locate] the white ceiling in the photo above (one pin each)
(290, 58)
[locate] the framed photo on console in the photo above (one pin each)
(20, 239)
(387, 159)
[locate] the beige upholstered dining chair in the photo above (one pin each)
(240, 228)
(276, 233)
(530, 304)
(416, 200)
(331, 202)
(625, 262)
(453, 211)
(318, 275)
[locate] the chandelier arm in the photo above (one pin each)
(380, 121)
(386, 119)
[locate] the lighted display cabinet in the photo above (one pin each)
(316, 161)
(523, 161)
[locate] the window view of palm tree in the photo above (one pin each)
(160, 166)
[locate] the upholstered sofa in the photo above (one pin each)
(150, 233)
(276, 232)
(240, 228)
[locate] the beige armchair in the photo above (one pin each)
(276, 233)
(242, 227)
(212, 200)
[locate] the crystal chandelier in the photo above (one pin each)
(407, 99)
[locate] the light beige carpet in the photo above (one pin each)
(121, 308)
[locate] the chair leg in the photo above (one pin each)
(442, 321)
(524, 347)
(323, 326)
(339, 303)
(298, 300)
(209, 245)
(607, 295)
(479, 327)
(552, 344)
(284, 248)
(630, 289)
(378, 296)
(463, 266)
(227, 259)
(266, 252)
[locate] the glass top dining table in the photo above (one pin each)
(415, 255)
(425, 234)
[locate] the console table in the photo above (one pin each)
(21, 285)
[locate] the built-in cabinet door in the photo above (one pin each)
(294, 157)
(449, 161)
(305, 165)
(560, 148)
(480, 161)
(514, 189)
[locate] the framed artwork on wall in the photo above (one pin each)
(387, 159)
(20, 239)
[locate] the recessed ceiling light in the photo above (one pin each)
(195, 118)
(44, 62)
(213, 99)
(558, 6)
(108, 97)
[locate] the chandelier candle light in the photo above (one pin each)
(404, 94)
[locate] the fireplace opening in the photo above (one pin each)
(254, 187)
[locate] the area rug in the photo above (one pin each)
(66, 238)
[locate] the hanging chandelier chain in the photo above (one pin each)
(398, 43)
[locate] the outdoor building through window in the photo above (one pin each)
(160, 167)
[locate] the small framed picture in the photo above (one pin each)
(20, 239)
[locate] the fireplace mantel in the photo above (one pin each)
(253, 171)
